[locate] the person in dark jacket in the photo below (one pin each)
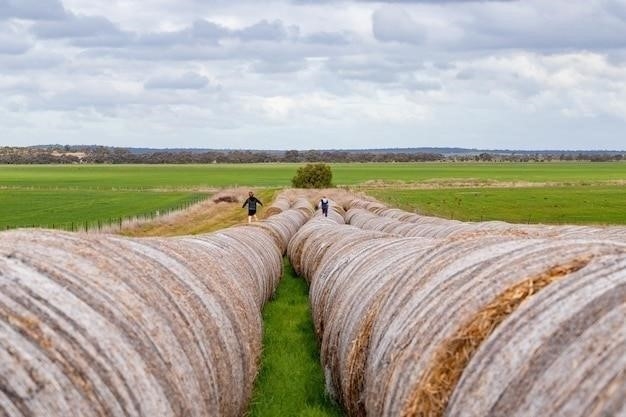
(324, 206)
(251, 202)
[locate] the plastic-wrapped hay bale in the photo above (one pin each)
(432, 322)
(563, 353)
(105, 325)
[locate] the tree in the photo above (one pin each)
(313, 176)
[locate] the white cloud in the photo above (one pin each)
(395, 24)
(344, 74)
(187, 81)
(31, 9)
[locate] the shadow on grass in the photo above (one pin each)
(291, 381)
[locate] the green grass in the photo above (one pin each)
(291, 381)
(72, 209)
(66, 194)
(557, 205)
(110, 177)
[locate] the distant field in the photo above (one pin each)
(72, 209)
(108, 177)
(66, 195)
(577, 205)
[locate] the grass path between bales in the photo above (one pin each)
(291, 380)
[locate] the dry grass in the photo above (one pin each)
(434, 391)
(222, 211)
(438, 183)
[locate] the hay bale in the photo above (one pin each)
(303, 204)
(362, 213)
(280, 204)
(93, 327)
(227, 196)
(561, 353)
(345, 308)
(421, 325)
(106, 325)
(400, 319)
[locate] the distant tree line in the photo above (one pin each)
(591, 156)
(67, 154)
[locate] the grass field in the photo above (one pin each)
(63, 195)
(291, 381)
(113, 177)
(75, 209)
(577, 205)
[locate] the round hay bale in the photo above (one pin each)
(424, 333)
(280, 204)
(301, 203)
(400, 319)
(435, 227)
(563, 352)
(102, 326)
(345, 307)
(105, 325)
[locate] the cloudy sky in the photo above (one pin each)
(314, 74)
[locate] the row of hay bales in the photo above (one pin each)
(472, 325)
(94, 325)
(377, 216)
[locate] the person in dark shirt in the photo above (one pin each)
(324, 206)
(251, 202)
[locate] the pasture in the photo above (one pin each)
(72, 209)
(68, 195)
(554, 205)
(143, 177)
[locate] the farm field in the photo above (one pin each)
(103, 177)
(75, 209)
(555, 205)
(345, 311)
(561, 192)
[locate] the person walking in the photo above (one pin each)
(324, 206)
(251, 202)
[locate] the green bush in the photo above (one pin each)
(313, 176)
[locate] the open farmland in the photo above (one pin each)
(575, 204)
(414, 315)
(279, 175)
(561, 192)
(82, 209)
